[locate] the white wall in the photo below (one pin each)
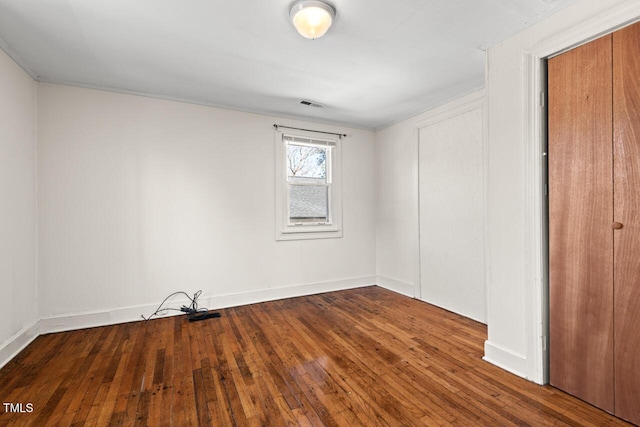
(18, 276)
(397, 226)
(141, 197)
(452, 214)
(513, 282)
(397, 237)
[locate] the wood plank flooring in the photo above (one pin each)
(365, 357)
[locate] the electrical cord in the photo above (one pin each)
(192, 310)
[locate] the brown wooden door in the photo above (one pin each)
(626, 115)
(580, 216)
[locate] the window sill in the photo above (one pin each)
(308, 234)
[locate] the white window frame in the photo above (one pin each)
(298, 231)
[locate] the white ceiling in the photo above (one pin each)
(382, 61)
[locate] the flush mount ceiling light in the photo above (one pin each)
(312, 18)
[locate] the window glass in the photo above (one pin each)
(306, 161)
(308, 204)
(307, 184)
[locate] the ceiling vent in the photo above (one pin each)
(311, 104)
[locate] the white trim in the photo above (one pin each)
(286, 231)
(14, 345)
(76, 321)
(505, 359)
(465, 104)
(69, 322)
(93, 319)
(452, 109)
(264, 295)
(415, 172)
(535, 246)
(18, 59)
(308, 141)
(603, 23)
(398, 286)
(485, 194)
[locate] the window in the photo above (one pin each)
(308, 193)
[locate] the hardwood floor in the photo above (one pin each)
(358, 357)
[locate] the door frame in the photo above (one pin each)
(536, 248)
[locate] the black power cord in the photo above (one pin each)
(193, 312)
(201, 315)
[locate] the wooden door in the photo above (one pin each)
(626, 115)
(580, 218)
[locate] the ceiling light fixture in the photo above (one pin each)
(312, 18)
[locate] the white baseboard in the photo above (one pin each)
(495, 354)
(114, 316)
(14, 345)
(505, 359)
(74, 321)
(253, 297)
(404, 288)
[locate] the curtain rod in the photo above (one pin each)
(341, 135)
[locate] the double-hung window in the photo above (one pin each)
(308, 187)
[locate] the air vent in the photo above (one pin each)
(311, 104)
